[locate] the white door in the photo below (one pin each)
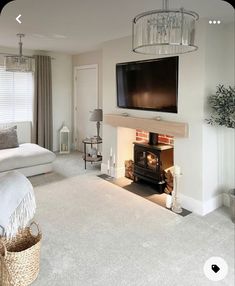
(86, 100)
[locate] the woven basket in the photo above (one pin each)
(20, 258)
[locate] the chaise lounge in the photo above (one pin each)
(29, 159)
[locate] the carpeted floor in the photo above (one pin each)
(96, 233)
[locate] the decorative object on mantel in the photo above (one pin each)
(176, 207)
(97, 115)
(19, 63)
(64, 140)
(164, 32)
(222, 104)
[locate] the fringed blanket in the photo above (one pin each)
(17, 203)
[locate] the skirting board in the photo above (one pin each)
(201, 208)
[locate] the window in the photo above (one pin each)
(16, 96)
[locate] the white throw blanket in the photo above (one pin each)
(17, 203)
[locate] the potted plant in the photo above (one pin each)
(222, 105)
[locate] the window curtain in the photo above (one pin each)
(42, 116)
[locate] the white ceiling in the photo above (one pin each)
(75, 26)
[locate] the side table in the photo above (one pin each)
(86, 156)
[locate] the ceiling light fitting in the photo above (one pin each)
(164, 32)
(19, 63)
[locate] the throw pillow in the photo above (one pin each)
(8, 138)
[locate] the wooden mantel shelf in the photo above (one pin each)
(172, 128)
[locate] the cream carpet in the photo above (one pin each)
(96, 233)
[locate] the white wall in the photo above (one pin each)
(190, 102)
(91, 58)
(189, 152)
(229, 134)
(61, 88)
(62, 81)
(218, 142)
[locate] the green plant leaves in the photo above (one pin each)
(222, 105)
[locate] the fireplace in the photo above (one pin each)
(150, 161)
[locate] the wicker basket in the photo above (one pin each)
(20, 258)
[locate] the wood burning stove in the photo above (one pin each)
(151, 160)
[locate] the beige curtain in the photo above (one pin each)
(42, 122)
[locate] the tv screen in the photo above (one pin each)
(148, 85)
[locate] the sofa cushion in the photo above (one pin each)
(8, 138)
(26, 155)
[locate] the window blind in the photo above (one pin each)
(16, 96)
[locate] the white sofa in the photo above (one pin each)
(29, 159)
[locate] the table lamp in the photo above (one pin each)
(97, 115)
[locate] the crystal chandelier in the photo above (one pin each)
(19, 63)
(164, 32)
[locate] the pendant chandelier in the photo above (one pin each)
(19, 63)
(164, 32)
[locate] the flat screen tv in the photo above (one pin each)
(148, 85)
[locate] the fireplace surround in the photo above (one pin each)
(121, 131)
(125, 133)
(156, 125)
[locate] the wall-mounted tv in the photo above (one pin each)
(148, 85)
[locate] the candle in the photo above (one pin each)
(114, 159)
(168, 201)
(108, 166)
(177, 170)
(111, 152)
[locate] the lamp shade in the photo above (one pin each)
(164, 32)
(96, 115)
(19, 63)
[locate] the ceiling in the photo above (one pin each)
(75, 26)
